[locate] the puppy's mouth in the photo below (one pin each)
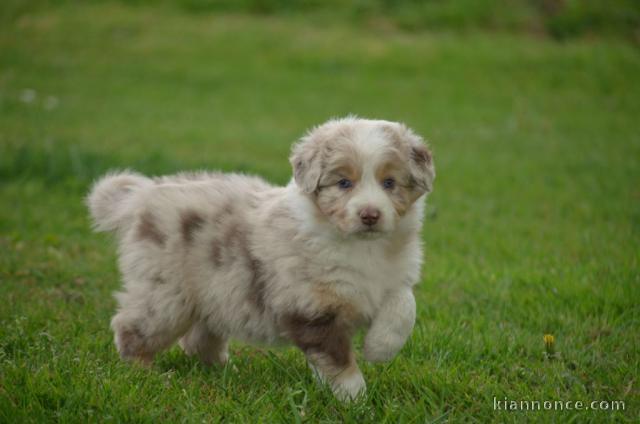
(369, 233)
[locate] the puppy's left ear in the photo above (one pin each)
(306, 161)
(421, 165)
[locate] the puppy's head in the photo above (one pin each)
(363, 175)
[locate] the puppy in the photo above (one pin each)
(207, 257)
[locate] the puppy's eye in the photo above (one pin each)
(345, 184)
(389, 183)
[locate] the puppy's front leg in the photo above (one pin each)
(391, 327)
(326, 341)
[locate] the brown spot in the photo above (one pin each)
(393, 167)
(421, 154)
(324, 334)
(191, 221)
(235, 236)
(228, 209)
(219, 219)
(147, 230)
(157, 279)
(326, 298)
(216, 253)
(257, 285)
(348, 170)
(133, 345)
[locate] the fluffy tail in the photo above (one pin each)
(109, 199)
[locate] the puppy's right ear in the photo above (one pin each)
(306, 160)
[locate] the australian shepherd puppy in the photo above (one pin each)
(207, 257)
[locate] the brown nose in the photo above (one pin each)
(369, 216)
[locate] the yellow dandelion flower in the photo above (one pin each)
(549, 344)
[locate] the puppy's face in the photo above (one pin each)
(363, 175)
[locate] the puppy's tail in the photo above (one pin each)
(109, 200)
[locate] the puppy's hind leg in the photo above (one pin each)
(209, 347)
(146, 324)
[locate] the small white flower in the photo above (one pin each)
(28, 95)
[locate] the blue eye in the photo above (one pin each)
(345, 184)
(389, 183)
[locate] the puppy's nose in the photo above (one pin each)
(369, 216)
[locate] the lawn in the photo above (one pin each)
(533, 227)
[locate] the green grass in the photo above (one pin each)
(533, 228)
(558, 19)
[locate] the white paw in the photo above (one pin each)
(377, 349)
(349, 388)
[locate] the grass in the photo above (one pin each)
(533, 228)
(558, 19)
